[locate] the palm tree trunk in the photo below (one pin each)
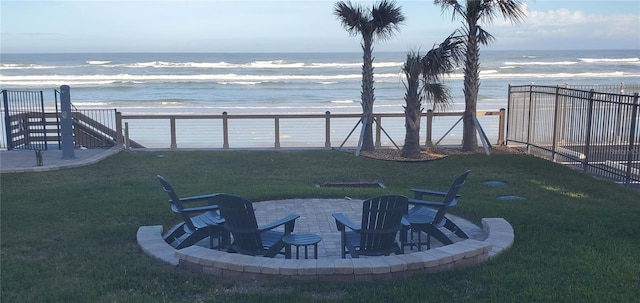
(367, 92)
(413, 108)
(471, 86)
(411, 148)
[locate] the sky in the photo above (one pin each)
(29, 26)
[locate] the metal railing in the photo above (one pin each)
(95, 128)
(595, 132)
(622, 88)
(24, 123)
(292, 130)
(98, 128)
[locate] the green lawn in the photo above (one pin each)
(69, 235)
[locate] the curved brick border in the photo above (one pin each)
(458, 255)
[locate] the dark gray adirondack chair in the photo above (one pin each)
(248, 237)
(376, 236)
(429, 216)
(198, 222)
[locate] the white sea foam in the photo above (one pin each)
(157, 64)
(238, 79)
(386, 75)
(41, 84)
(9, 66)
(266, 64)
(336, 65)
(610, 60)
(270, 64)
(557, 75)
(387, 64)
(541, 63)
(92, 104)
(97, 62)
(123, 78)
(170, 102)
(342, 101)
(220, 64)
(275, 64)
(238, 82)
(183, 65)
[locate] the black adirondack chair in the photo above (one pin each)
(376, 236)
(430, 216)
(198, 223)
(248, 237)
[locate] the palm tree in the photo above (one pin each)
(438, 61)
(413, 108)
(474, 13)
(380, 22)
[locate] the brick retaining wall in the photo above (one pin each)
(462, 254)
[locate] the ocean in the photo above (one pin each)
(281, 83)
(202, 83)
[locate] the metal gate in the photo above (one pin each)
(25, 121)
(595, 132)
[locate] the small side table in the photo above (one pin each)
(305, 240)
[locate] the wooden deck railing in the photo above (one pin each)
(192, 128)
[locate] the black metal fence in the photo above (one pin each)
(95, 128)
(593, 131)
(24, 121)
(92, 128)
(27, 124)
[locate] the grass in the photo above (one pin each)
(69, 235)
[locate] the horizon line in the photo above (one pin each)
(289, 52)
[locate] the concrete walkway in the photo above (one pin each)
(22, 161)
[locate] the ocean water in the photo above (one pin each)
(288, 83)
(239, 83)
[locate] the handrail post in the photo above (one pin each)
(68, 143)
(378, 121)
(277, 132)
(7, 120)
(587, 144)
(119, 139)
(556, 120)
(127, 141)
(562, 113)
(530, 119)
(509, 107)
(632, 135)
(501, 119)
(43, 120)
(174, 145)
(429, 141)
(327, 129)
(225, 130)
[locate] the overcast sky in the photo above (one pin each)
(292, 26)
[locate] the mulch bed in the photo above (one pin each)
(433, 154)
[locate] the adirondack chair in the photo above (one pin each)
(376, 236)
(248, 237)
(198, 222)
(430, 216)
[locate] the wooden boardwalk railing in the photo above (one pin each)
(169, 130)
